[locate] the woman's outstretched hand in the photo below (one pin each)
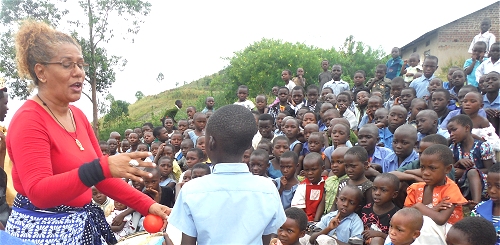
(119, 165)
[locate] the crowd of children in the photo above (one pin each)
(394, 159)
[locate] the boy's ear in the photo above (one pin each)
(448, 168)
(302, 233)
(395, 194)
(211, 143)
(416, 234)
(367, 165)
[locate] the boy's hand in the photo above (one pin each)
(153, 194)
(397, 101)
(467, 163)
(492, 112)
(380, 125)
(367, 234)
(334, 223)
(160, 149)
(443, 205)
(283, 182)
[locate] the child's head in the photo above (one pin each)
(168, 123)
(152, 182)
(286, 75)
(295, 225)
(440, 99)
(310, 128)
(190, 111)
(340, 134)
(104, 148)
(431, 140)
(325, 65)
(279, 120)
(242, 93)
(331, 99)
(283, 93)
(261, 102)
(256, 115)
(148, 137)
(404, 141)
(380, 71)
(458, 79)
(397, 117)
(300, 114)
(435, 83)
(381, 116)
(356, 162)
(416, 106)
(481, 86)
(300, 71)
(463, 91)
(288, 164)
(125, 145)
(154, 148)
(280, 145)
(98, 196)
(178, 103)
(115, 135)
(133, 139)
(328, 115)
(472, 103)
(407, 95)
(200, 170)
(259, 162)
(313, 165)
(479, 49)
(265, 125)
(182, 125)
(430, 65)
(359, 78)
(348, 200)
(120, 206)
(200, 143)
(266, 145)
(472, 231)
(199, 121)
(291, 128)
(298, 94)
(362, 98)
(187, 175)
(186, 144)
(315, 142)
(493, 183)
(229, 133)
(246, 155)
(160, 133)
(344, 100)
(377, 93)
(274, 90)
(147, 127)
(112, 145)
(142, 147)
(176, 140)
(309, 117)
(210, 102)
(405, 226)
(492, 82)
(193, 156)
(485, 25)
(368, 136)
(165, 166)
(494, 53)
(459, 127)
(325, 91)
(374, 102)
(395, 52)
(337, 162)
(385, 188)
(127, 132)
(427, 122)
(435, 163)
(397, 85)
(414, 60)
(336, 72)
(312, 93)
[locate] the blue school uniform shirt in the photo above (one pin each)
(391, 163)
(329, 150)
(471, 78)
(350, 226)
(380, 155)
(420, 85)
(394, 67)
(364, 120)
(287, 195)
(272, 172)
(456, 112)
(493, 105)
(166, 181)
(386, 137)
(485, 210)
(236, 194)
(442, 132)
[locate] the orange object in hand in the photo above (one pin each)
(153, 223)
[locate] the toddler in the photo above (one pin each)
(126, 227)
(410, 67)
(405, 227)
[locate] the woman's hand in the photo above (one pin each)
(162, 211)
(119, 166)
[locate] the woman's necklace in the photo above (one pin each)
(72, 121)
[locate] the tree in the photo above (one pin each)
(139, 95)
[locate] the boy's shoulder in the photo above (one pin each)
(484, 209)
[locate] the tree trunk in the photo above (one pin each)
(93, 74)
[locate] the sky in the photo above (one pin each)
(187, 40)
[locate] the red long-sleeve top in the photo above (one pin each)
(46, 161)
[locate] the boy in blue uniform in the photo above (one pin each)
(394, 65)
(231, 188)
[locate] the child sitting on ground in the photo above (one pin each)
(310, 192)
(308, 130)
(376, 216)
(461, 95)
(259, 163)
(280, 146)
(490, 209)
(342, 224)
(287, 184)
(125, 228)
(374, 103)
(472, 231)
(293, 229)
(472, 103)
(407, 96)
(335, 176)
(405, 227)
(438, 197)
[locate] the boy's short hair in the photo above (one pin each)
(331, 89)
(462, 120)
(233, 126)
(288, 71)
(266, 117)
(431, 57)
(381, 67)
(359, 193)
(478, 230)
(418, 100)
(445, 155)
(284, 87)
(243, 87)
(202, 166)
(170, 146)
(398, 80)
(290, 154)
(198, 151)
(261, 153)
(349, 97)
(177, 102)
(380, 99)
(493, 169)
(298, 215)
(148, 124)
(311, 112)
(470, 88)
(482, 44)
(361, 72)
(163, 158)
(442, 90)
(392, 178)
(415, 218)
(144, 144)
(312, 86)
(263, 95)
(156, 131)
(102, 142)
(153, 171)
(299, 88)
(358, 151)
(436, 139)
(187, 141)
(278, 138)
(155, 143)
(413, 91)
(316, 157)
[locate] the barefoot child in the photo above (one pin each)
(287, 184)
(336, 175)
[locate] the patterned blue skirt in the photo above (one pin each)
(59, 225)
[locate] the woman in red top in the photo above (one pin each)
(55, 154)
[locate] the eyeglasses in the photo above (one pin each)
(70, 65)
